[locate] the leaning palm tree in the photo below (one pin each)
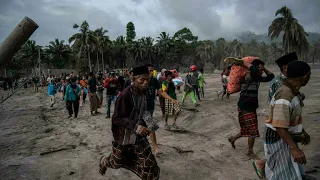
(294, 36)
(83, 41)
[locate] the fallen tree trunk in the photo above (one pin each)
(16, 39)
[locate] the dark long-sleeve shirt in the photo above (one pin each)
(248, 100)
(127, 116)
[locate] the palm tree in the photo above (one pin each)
(164, 43)
(103, 42)
(164, 40)
(237, 48)
(264, 51)
(205, 50)
(294, 36)
(222, 50)
(29, 54)
(121, 49)
(58, 53)
(83, 40)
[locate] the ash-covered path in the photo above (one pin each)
(41, 143)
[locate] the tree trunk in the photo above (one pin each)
(98, 65)
(16, 39)
(89, 60)
(102, 62)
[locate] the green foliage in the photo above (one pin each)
(58, 53)
(180, 50)
(294, 36)
(131, 33)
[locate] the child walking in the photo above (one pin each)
(170, 107)
(52, 92)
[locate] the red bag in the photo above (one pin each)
(237, 73)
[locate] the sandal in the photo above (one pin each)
(260, 174)
(102, 165)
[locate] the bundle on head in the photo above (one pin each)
(174, 73)
(238, 72)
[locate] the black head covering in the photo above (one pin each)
(167, 73)
(257, 62)
(297, 69)
(140, 70)
(284, 60)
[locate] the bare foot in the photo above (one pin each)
(231, 140)
(259, 168)
(157, 151)
(260, 164)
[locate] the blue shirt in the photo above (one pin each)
(51, 89)
(72, 93)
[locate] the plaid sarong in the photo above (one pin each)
(137, 158)
(171, 108)
(248, 123)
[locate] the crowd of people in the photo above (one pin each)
(284, 159)
(9, 83)
(134, 92)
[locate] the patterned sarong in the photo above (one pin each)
(137, 158)
(171, 108)
(280, 163)
(93, 102)
(248, 123)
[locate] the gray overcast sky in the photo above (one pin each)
(208, 19)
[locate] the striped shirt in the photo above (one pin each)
(285, 110)
(248, 100)
(274, 86)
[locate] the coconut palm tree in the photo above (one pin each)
(237, 48)
(148, 49)
(205, 50)
(294, 36)
(164, 40)
(58, 53)
(222, 51)
(120, 50)
(28, 55)
(83, 40)
(103, 43)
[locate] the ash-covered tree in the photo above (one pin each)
(131, 32)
